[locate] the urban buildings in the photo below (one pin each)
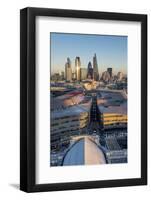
(69, 115)
(120, 79)
(88, 127)
(88, 103)
(78, 73)
(88, 116)
(113, 109)
(112, 105)
(66, 122)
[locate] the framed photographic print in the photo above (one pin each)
(83, 99)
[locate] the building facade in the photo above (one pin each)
(113, 109)
(90, 71)
(64, 125)
(68, 70)
(95, 68)
(77, 68)
(83, 73)
(111, 120)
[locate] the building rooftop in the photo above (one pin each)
(66, 100)
(112, 102)
(120, 109)
(71, 111)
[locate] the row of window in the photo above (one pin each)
(112, 115)
(55, 136)
(81, 117)
(115, 121)
(59, 128)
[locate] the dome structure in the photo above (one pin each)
(84, 152)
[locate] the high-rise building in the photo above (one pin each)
(110, 71)
(119, 76)
(68, 70)
(90, 71)
(95, 68)
(77, 68)
(83, 73)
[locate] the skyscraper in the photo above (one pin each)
(68, 70)
(77, 68)
(110, 71)
(95, 68)
(90, 71)
(83, 73)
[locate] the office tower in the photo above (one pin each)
(110, 71)
(68, 70)
(77, 68)
(119, 76)
(83, 73)
(90, 71)
(106, 76)
(95, 68)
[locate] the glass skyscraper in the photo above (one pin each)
(90, 71)
(95, 68)
(77, 68)
(68, 70)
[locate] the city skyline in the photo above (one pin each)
(111, 51)
(88, 100)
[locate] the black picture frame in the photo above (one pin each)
(28, 98)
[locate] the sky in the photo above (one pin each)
(111, 51)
